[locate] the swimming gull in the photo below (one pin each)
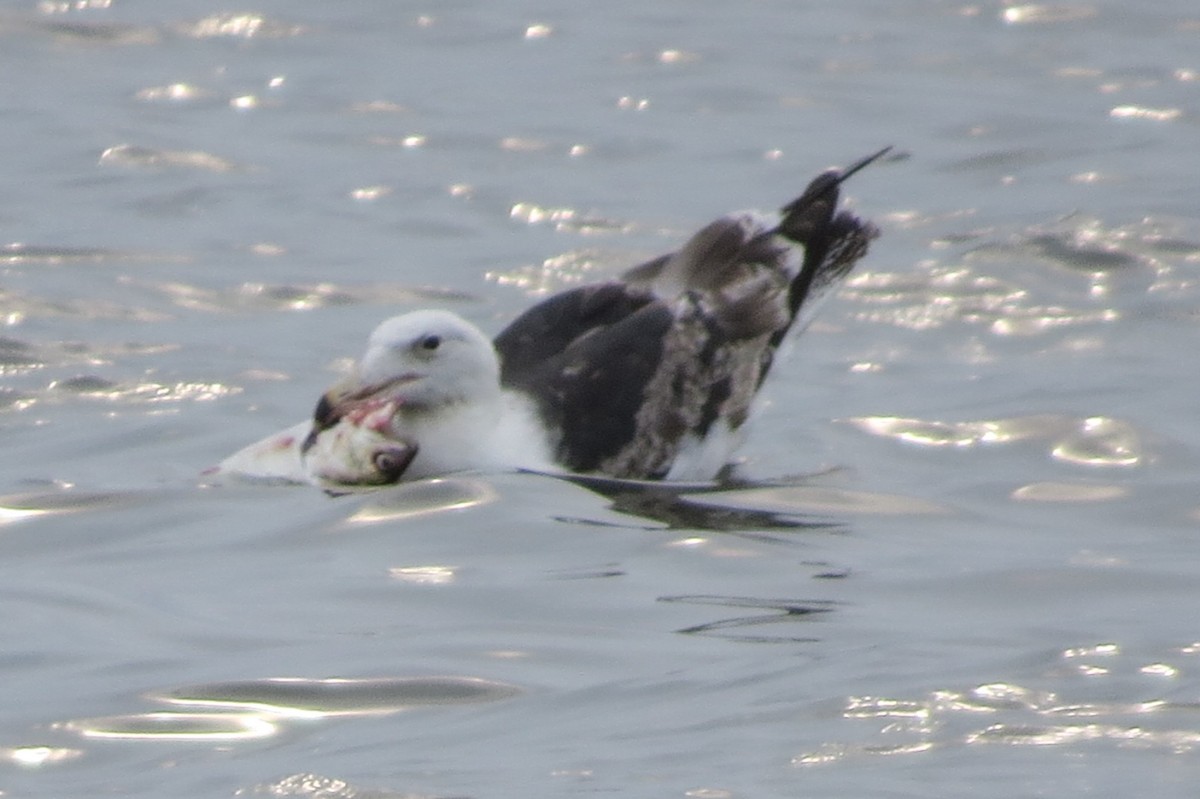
(650, 376)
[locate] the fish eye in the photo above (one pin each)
(390, 463)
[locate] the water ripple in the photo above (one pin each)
(318, 787)
(314, 698)
(100, 33)
(1042, 14)
(134, 156)
(423, 497)
(780, 611)
(21, 253)
(36, 756)
(297, 296)
(564, 219)
(230, 25)
(16, 308)
(1090, 441)
(933, 299)
(251, 709)
(30, 505)
(171, 726)
(1120, 264)
(1069, 492)
(554, 274)
(175, 94)
(808, 500)
(1009, 713)
(1178, 741)
(1143, 112)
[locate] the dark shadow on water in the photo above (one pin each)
(779, 611)
(1061, 248)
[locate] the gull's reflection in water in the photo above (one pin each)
(770, 512)
(726, 507)
(701, 506)
(747, 626)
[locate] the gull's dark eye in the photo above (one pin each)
(430, 342)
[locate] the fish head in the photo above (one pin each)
(359, 450)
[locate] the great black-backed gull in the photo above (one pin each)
(651, 376)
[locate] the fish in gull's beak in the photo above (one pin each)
(360, 450)
(354, 402)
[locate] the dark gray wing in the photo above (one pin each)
(584, 357)
(548, 328)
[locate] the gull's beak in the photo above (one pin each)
(351, 398)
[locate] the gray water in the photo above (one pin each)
(967, 564)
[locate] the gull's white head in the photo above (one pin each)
(429, 358)
(421, 361)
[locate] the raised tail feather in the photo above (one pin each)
(743, 267)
